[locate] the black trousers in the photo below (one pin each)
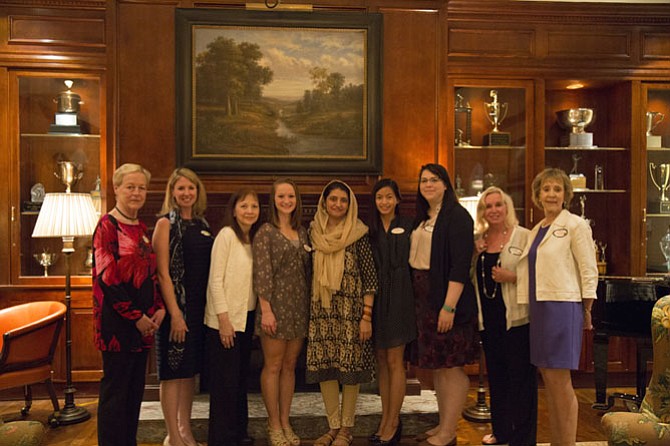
(228, 371)
(512, 385)
(121, 392)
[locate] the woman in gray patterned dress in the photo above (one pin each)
(339, 349)
(281, 282)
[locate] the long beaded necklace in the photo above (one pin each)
(481, 258)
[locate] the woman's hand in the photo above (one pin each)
(158, 317)
(588, 321)
(365, 330)
(445, 321)
(227, 334)
(501, 275)
(268, 322)
(146, 326)
(178, 328)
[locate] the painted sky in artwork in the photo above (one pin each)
(292, 52)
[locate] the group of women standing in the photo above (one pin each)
(355, 292)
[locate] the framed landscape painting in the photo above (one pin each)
(265, 92)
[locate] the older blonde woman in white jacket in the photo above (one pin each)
(558, 277)
(503, 322)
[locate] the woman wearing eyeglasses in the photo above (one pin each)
(446, 311)
(503, 322)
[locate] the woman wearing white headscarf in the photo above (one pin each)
(339, 349)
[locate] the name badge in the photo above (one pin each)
(397, 231)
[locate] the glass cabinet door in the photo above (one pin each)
(58, 127)
(587, 134)
(657, 173)
(491, 132)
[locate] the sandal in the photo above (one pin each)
(343, 439)
(324, 440)
(276, 437)
(290, 436)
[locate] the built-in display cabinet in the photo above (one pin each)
(656, 187)
(57, 141)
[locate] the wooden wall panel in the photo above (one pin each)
(146, 87)
(52, 30)
(491, 42)
(655, 46)
(589, 44)
(410, 93)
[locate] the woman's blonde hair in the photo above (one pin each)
(169, 203)
(551, 173)
(128, 168)
(481, 225)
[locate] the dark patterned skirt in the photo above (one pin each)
(432, 350)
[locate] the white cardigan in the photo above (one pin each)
(515, 314)
(565, 269)
(230, 285)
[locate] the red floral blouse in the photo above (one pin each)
(124, 285)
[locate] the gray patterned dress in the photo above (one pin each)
(334, 350)
(282, 277)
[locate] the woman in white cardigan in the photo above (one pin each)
(503, 322)
(229, 317)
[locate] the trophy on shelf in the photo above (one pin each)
(46, 259)
(601, 258)
(68, 173)
(36, 198)
(582, 205)
(661, 170)
(68, 105)
(496, 113)
(576, 120)
(598, 177)
(463, 117)
(653, 120)
(664, 244)
(96, 196)
(577, 179)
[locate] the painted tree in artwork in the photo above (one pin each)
(228, 72)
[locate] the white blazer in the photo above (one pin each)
(565, 269)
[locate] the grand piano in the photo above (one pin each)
(623, 308)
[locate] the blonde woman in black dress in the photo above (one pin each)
(281, 282)
(183, 243)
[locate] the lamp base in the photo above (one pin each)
(479, 412)
(72, 415)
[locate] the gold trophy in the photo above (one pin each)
(653, 120)
(68, 173)
(496, 113)
(46, 259)
(663, 172)
(68, 106)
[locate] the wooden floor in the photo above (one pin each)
(84, 434)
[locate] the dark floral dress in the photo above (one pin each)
(282, 277)
(124, 285)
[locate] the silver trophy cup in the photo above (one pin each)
(662, 171)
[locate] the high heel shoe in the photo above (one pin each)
(276, 437)
(394, 440)
(291, 436)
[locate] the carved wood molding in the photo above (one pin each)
(78, 4)
(563, 13)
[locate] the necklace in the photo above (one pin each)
(124, 215)
(483, 270)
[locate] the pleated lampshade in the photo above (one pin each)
(66, 215)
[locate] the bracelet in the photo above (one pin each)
(367, 305)
(448, 308)
(367, 318)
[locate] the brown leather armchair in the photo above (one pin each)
(29, 337)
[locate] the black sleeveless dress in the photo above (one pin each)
(197, 247)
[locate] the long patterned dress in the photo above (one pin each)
(334, 350)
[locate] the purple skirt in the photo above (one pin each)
(432, 350)
(555, 334)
